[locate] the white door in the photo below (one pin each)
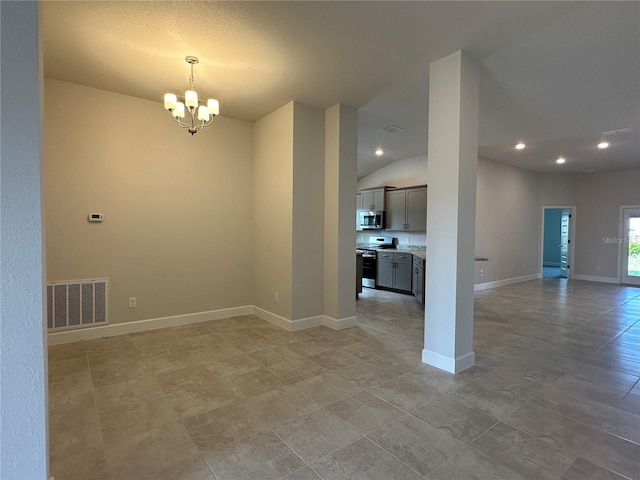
(631, 246)
(565, 243)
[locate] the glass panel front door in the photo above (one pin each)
(633, 261)
(631, 247)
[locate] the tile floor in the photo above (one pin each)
(554, 395)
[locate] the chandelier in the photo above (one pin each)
(199, 116)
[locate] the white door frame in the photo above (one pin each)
(572, 238)
(622, 243)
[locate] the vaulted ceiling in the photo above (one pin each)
(555, 75)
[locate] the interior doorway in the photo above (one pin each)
(630, 243)
(557, 232)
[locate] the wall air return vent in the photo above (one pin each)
(77, 304)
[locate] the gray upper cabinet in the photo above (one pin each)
(416, 212)
(407, 209)
(372, 200)
(358, 208)
(396, 206)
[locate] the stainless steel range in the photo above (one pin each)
(370, 258)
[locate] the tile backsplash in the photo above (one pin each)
(403, 239)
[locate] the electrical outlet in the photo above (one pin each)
(276, 296)
(133, 302)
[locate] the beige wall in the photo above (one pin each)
(177, 208)
(290, 223)
(308, 211)
(507, 225)
(597, 198)
(273, 211)
(507, 211)
(509, 215)
(401, 173)
(339, 211)
(221, 219)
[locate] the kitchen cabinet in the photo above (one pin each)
(373, 199)
(358, 208)
(394, 271)
(358, 274)
(407, 209)
(396, 206)
(417, 286)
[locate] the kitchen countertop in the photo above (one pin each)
(418, 251)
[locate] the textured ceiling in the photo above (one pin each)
(554, 74)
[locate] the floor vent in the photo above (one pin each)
(77, 304)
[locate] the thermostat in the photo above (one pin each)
(95, 217)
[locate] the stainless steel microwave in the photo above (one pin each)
(371, 220)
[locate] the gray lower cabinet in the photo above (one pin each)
(417, 287)
(385, 273)
(358, 274)
(394, 271)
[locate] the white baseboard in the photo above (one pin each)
(339, 323)
(448, 364)
(507, 281)
(68, 336)
(308, 322)
(282, 322)
(593, 278)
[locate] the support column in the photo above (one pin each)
(340, 178)
(23, 371)
(451, 212)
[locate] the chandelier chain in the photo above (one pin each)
(192, 83)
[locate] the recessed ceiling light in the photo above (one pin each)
(602, 145)
(379, 151)
(520, 146)
(560, 160)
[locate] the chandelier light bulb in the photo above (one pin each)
(170, 101)
(203, 113)
(213, 106)
(520, 146)
(603, 145)
(191, 99)
(179, 110)
(560, 160)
